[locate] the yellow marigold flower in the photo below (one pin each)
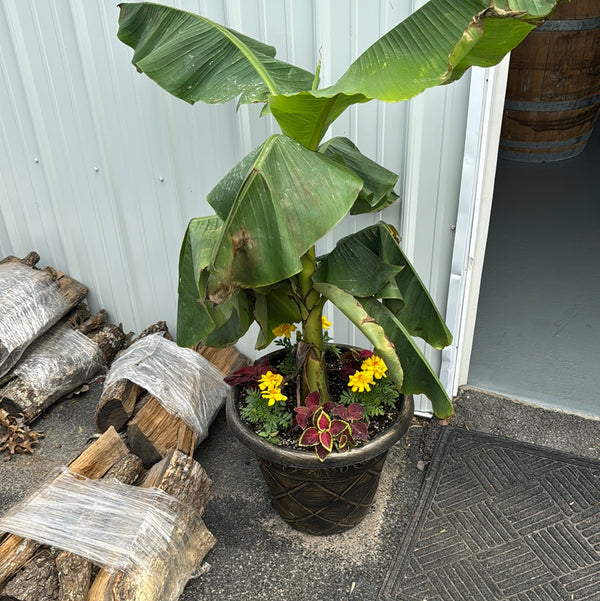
(375, 365)
(270, 381)
(284, 329)
(273, 394)
(325, 323)
(361, 381)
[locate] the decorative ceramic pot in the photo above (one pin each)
(321, 497)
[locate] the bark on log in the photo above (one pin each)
(154, 432)
(38, 580)
(116, 404)
(183, 478)
(57, 363)
(92, 463)
(74, 577)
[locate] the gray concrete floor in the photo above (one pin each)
(538, 321)
(257, 555)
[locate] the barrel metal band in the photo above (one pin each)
(570, 25)
(559, 105)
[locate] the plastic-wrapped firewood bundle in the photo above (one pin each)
(169, 394)
(27, 569)
(59, 362)
(31, 301)
(148, 540)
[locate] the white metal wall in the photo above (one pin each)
(100, 170)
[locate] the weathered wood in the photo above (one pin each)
(94, 462)
(37, 580)
(226, 360)
(15, 552)
(128, 470)
(56, 364)
(110, 338)
(183, 478)
(116, 404)
(74, 577)
(30, 260)
(154, 432)
(75, 572)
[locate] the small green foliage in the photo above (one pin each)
(383, 394)
(271, 419)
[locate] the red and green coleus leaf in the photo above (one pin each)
(321, 452)
(313, 400)
(326, 440)
(322, 421)
(303, 415)
(309, 438)
(359, 431)
(355, 412)
(338, 427)
(249, 374)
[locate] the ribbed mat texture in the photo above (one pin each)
(500, 520)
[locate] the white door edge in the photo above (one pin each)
(484, 120)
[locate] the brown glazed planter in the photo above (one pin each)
(317, 497)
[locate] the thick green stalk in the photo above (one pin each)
(315, 376)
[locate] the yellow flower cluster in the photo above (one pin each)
(371, 369)
(284, 329)
(270, 386)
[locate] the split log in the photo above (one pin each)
(38, 580)
(226, 360)
(154, 432)
(57, 363)
(118, 400)
(128, 470)
(92, 463)
(31, 301)
(116, 404)
(183, 478)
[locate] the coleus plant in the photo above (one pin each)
(330, 425)
(254, 260)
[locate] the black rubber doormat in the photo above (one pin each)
(499, 520)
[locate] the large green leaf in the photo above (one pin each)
(433, 46)
(196, 318)
(273, 307)
(194, 58)
(419, 377)
(378, 182)
(371, 263)
(306, 118)
(407, 365)
(290, 198)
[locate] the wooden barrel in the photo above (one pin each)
(553, 93)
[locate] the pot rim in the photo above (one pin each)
(378, 445)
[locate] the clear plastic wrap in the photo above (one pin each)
(143, 533)
(57, 363)
(186, 384)
(30, 302)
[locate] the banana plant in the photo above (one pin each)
(254, 260)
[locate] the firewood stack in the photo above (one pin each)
(31, 571)
(154, 450)
(154, 426)
(50, 345)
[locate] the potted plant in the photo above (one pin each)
(255, 259)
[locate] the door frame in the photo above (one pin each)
(484, 120)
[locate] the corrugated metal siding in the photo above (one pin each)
(100, 170)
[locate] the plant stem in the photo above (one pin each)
(315, 376)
